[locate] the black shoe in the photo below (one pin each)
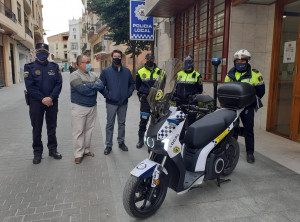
(250, 158)
(140, 144)
(56, 155)
(37, 159)
(107, 150)
(123, 147)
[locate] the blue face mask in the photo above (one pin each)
(42, 56)
(88, 67)
(188, 65)
(240, 66)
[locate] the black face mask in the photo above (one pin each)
(149, 64)
(117, 61)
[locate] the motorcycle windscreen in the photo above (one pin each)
(163, 89)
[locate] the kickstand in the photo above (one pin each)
(219, 181)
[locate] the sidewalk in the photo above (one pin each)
(59, 190)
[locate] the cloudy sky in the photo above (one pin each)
(57, 13)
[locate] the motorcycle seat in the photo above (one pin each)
(204, 130)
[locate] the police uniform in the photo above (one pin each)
(43, 79)
(145, 79)
(253, 77)
(188, 83)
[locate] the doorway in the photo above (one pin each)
(12, 63)
(284, 100)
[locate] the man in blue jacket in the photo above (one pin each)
(119, 86)
(43, 83)
(84, 89)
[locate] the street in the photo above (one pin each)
(60, 190)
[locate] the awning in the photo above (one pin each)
(169, 8)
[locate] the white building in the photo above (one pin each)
(74, 39)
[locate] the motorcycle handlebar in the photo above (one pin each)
(194, 108)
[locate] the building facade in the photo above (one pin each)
(269, 29)
(75, 26)
(21, 27)
(59, 49)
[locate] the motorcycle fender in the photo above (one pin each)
(145, 169)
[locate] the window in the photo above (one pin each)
(26, 21)
(74, 36)
(75, 56)
(74, 29)
(200, 31)
(65, 46)
(74, 46)
(66, 55)
(56, 45)
(19, 13)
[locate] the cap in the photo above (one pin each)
(149, 56)
(42, 46)
(189, 57)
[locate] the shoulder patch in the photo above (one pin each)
(25, 74)
(260, 79)
(255, 70)
(59, 73)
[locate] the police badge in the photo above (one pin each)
(38, 72)
(144, 75)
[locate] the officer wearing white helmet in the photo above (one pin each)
(242, 72)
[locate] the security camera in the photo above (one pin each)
(2, 30)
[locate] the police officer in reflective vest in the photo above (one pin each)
(145, 79)
(43, 82)
(242, 72)
(189, 83)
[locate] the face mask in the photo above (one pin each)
(88, 67)
(42, 56)
(149, 63)
(117, 61)
(188, 65)
(240, 66)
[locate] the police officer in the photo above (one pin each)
(189, 82)
(145, 79)
(43, 82)
(242, 72)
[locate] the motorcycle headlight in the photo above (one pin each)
(150, 142)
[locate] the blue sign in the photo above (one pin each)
(141, 27)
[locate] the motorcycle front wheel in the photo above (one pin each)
(232, 152)
(136, 193)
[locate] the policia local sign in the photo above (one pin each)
(141, 27)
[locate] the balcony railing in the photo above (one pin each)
(7, 12)
(28, 31)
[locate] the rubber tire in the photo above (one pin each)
(232, 142)
(129, 194)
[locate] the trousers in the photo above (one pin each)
(247, 117)
(112, 111)
(144, 107)
(83, 123)
(37, 111)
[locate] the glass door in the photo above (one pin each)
(284, 104)
(295, 114)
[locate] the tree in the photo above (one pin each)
(115, 14)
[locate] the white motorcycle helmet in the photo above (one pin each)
(242, 54)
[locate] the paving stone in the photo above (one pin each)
(50, 215)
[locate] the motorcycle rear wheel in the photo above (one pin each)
(136, 192)
(232, 153)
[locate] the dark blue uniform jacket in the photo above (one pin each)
(42, 80)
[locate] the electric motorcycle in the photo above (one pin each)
(208, 150)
